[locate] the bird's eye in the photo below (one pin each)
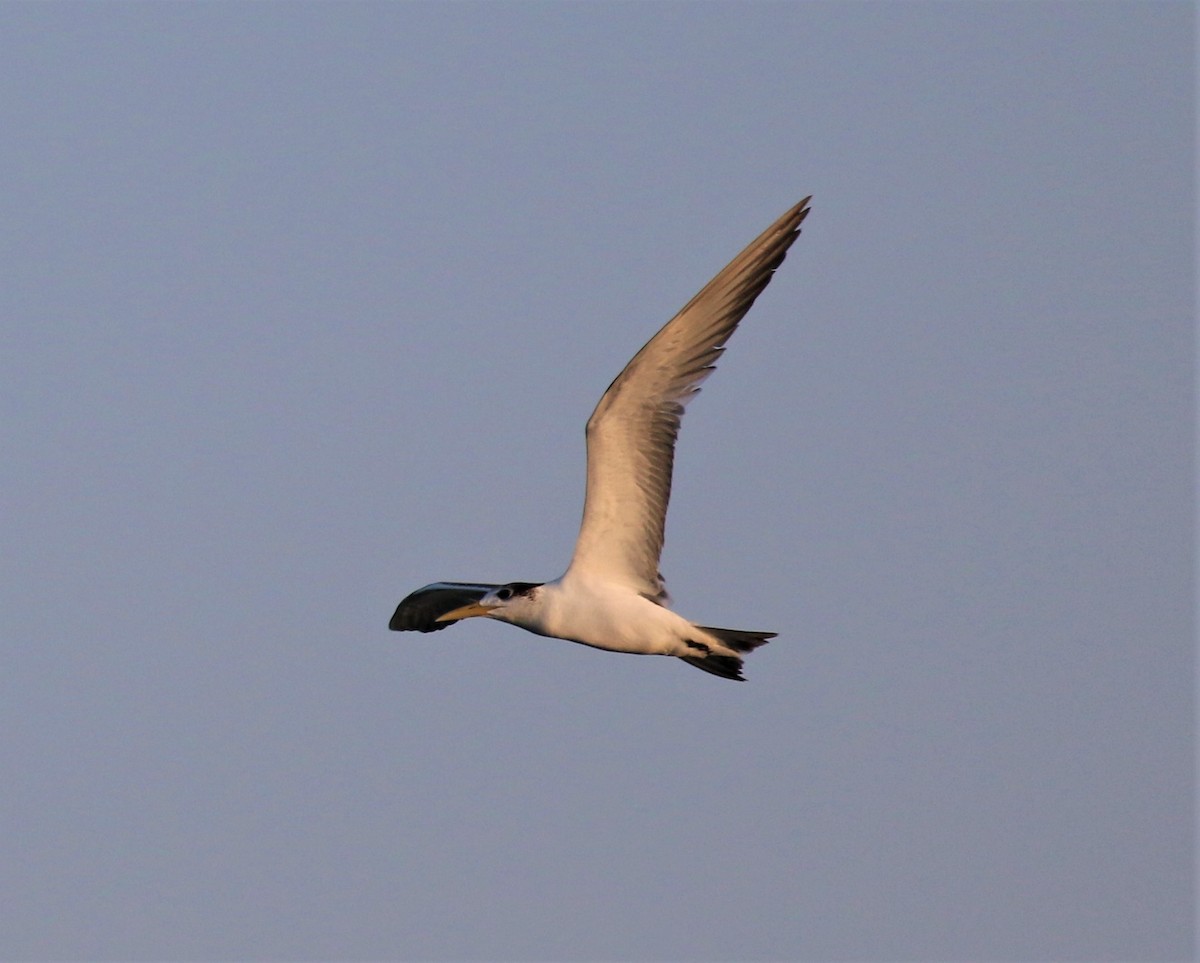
(504, 594)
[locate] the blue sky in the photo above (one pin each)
(305, 306)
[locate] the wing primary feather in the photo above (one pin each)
(419, 611)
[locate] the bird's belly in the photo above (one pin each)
(616, 642)
(618, 622)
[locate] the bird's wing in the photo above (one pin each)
(419, 611)
(631, 434)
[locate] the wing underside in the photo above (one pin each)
(420, 610)
(631, 434)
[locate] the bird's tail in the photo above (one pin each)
(739, 640)
(728, 666)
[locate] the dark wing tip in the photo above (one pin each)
(419, 612)
(407, 618)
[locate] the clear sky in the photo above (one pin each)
(305, 305)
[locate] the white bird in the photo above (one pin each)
(612, 595)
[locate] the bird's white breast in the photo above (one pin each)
(610, 616)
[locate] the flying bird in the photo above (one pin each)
(612, 595)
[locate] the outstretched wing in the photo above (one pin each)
(631, 434)
(420, 611)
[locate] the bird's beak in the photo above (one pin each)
(466, 612)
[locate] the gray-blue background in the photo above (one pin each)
(305, 305)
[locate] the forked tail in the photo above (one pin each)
(738, 640)
(728, 666)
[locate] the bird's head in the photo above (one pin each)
(513, 602)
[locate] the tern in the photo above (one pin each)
(612, 595)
